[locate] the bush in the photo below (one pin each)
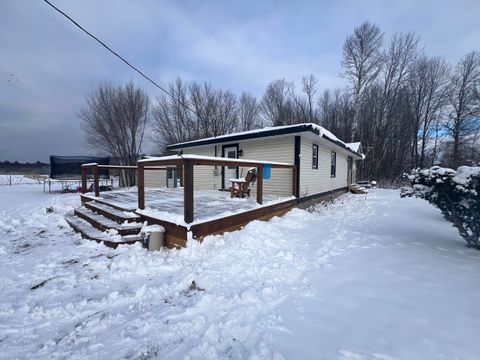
(455, 193)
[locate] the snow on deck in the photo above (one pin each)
(167, 203)
(370, 277)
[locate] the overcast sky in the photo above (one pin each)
(47, 65)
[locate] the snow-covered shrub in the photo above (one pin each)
(455, 193)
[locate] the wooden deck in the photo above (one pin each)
(183, 212)
(215, 211)
(208, 204)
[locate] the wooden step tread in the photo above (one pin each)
(113, 214)
(87, 231)
(128, 238)
(107, 223)
(111, 204)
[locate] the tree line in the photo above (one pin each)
(15, 167)
(408, 109)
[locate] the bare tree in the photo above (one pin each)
(249, 112)
(114, 121)
(204, 100)
(297, 105)
(362, 62)
(463, 101)
(390, 95)
(277, 107)
(336, 112)
(309, 84)
(173, 122)
(197, 110)
(428, 85)
(225, 118)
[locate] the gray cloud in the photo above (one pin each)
(234, 45)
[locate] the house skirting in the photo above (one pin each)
(307, 201)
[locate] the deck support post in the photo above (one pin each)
(141, 186)
(188, 191)
(260, 184)
(95, 180)
(84, 180)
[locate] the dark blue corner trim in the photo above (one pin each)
(297, 164)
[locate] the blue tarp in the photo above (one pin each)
(267, 169)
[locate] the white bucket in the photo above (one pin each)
(155, 240)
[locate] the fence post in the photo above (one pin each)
(188, 191)
(260, 184)
(141, 186)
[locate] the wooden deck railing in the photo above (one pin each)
(94, 169)
(185, 164)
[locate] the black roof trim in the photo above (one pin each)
(256, 135)
(247, 136)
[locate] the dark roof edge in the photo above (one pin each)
(257, 135)
(247, 136)
(342, 145)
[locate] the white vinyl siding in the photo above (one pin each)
(155, 178)
(315, 181)
(206, 177)
(279, 149)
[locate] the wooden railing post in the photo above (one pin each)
(95, 180)
(188, 191)
(84, 179)
(260, 184)
(141, 186)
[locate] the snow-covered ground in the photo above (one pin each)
(19, 179)
(374, 277)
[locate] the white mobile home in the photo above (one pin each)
(324, 164)
(302, 160)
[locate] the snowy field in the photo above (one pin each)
(374, 277)
(11, 180)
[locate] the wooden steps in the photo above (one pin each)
(88, 198)
(119, 216)
(357, 189)
(105, 224)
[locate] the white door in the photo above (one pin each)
(229, 172)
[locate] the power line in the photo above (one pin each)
(120, 57)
